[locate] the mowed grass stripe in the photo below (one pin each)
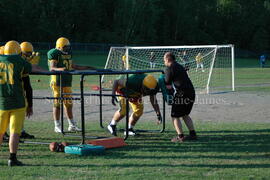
(223, 151)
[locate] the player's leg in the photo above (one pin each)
(17, 117)
(177, 125)
(4, 121)
(187, 119)
(189, 123)
(202, 67)
(69, 110)
(56, 118)
(197, 66)
(56, 109)
(118, 115)
(137, 108)
(177, 112)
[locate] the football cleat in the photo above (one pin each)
(112, 129)
(131, 132)
(25, 135)
(73, 128)
(178, 139)
(57, 129)
(14, 162)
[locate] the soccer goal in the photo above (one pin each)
(210, 67)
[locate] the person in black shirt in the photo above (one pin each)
(180, 86)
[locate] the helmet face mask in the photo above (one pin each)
(27, 49)
(147, 91)
(27, 54)
(67, 49)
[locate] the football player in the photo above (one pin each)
(199, 59)
(12, 101)
(138, 85)
(60, 59)
(32, 57)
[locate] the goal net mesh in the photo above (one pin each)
(209, 67)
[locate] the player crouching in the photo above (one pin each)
(137, 86)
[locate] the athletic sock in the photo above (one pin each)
(71, 122)
(57, 123)
(12, 156)
(130, 126)
(113, 123)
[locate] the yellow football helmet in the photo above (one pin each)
(27, 47)
(12, 48)
(2, 50)
(61, 43)
(150, 82)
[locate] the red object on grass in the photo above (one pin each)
(95, 87)
(108, 143)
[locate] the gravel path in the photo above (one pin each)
(225, 107)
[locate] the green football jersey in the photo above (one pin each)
(12, 68)
(63, 60)
(134, 85)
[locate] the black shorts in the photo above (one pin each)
(182, 106)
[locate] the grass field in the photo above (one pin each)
(223, 151)
(248, 75)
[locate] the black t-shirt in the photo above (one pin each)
(177, 75)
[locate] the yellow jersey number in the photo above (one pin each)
(68, 64)
(6, 73)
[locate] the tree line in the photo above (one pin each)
(245, 23)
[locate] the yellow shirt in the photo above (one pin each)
(199, 58)
(124, 58)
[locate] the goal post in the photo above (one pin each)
(210, 67)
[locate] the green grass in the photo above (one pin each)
(223, 151)
(248, 75)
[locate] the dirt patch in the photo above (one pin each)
(224, 107)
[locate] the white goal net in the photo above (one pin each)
(210, 67)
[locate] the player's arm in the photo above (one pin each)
(27, 68)
(53, 66)
(78, 67)
(168, 78)
(118, 83)
(154, 102)
(29, 95)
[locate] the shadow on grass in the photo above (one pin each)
(246, 131)
(231, 141)
(195, 165)
(246, 145)
(158, 165)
